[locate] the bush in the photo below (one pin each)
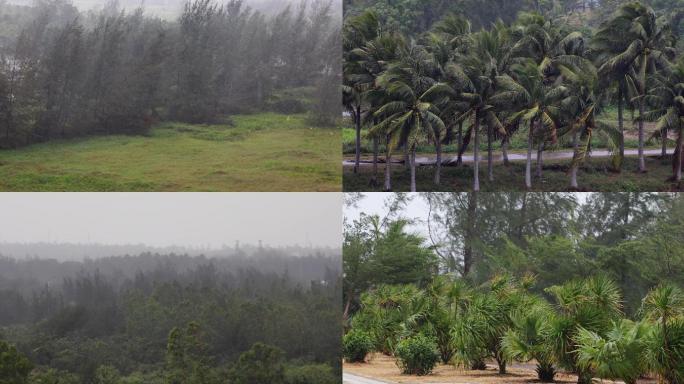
(357, 344)
(417, 355)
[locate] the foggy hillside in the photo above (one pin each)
(171, 8)
(78, 252)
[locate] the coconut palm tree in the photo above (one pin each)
(533, 103)
(666, 98)
(617, 355)
(634, 42)
(357, 32)
(410, 113)
(374, 57)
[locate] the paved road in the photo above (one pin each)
(348, 378)
(498, 158)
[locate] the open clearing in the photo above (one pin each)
(266, 152)
(384, 369)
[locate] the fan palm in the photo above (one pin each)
(590, 304)
(634, 42)
(664, 305)
(617, 355)
(409, 113)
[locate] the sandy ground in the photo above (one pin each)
(384, 369)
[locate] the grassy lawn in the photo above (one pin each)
(595, 176)
(262, 152)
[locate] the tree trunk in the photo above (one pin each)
(504, 150)
(388, 167)
(374, 178)
(621, 125)
(502, 366)
(490, 156)
(470, 234)
(573, 176)
(357, 159)
(438, 171)
(540, 160)
(663, 138)
(459, 161)
(528, 166)
(642, 159)
(412, 159)
(476, 149)
(407, 157)
(678, 158)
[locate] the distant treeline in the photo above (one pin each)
(64, 74)
(111, 316)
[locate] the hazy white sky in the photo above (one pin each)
(165, 219)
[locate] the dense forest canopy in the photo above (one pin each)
(65, 73)
(154, 318)
(587, 284)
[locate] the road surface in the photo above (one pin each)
(498, 158)
(348, 378)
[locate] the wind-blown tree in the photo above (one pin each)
(636, 42)
(581, 107)
(357, 76)
(472, 81)
(14, 367)
(533, 103)
(409, 113)
(666, 98)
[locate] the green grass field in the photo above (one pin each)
(262, 152)
(594, 177)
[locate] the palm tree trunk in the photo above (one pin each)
(476, 149)
(540, 159)
(357, 160)
(573, 176)
(438, 171)
(642, 159)
(388, 167)
(621, 125)
(412, 159)
(407, 157)
(374, 178)
(490, 157)
(504, 150)
(663, 137)
(528, 166)
(678, 158)
(502, 366)
(459, 161)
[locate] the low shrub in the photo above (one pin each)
(357, 344)
(417, 355)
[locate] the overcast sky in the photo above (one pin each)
(167, 219)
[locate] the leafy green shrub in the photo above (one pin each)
(417, 355)
(357, 344)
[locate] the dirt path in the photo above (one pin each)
(498, 158)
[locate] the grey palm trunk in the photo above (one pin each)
(357, 160)
(412, 159)
(438, 171)
(528, 165)
(540, 160)
(490, 155)
(678, 166)
(642, 159)
(388, 166)
(476, 159)
(374, 180)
